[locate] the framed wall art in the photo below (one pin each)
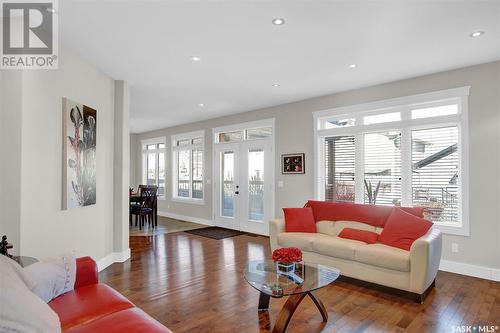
(79, 155)
(293, 163)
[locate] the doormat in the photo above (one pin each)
(215, 232)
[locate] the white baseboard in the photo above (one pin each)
(112, 258)
(122, 256)
(482, 272)
(186, 218)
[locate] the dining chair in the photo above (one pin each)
(144, 211)
(155, 204)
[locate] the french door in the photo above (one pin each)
(243, 191)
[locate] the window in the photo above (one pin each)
(435, 111)
(246, 134)
(187, 158)
(259, 133)
(231, 136)
(403, 152)
(153, 161)
(382, 118)
(382, 174)
(435, 172)
(339, 168)
(339, 122)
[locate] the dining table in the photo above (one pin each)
(136, 198)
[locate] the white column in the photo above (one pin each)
(121, 176)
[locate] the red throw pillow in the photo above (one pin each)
(299, 220)
(402, 229)
(366, 236)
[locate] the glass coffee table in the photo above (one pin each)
(263, 276)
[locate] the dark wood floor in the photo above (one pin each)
(195, 284)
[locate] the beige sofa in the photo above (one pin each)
(413, 271)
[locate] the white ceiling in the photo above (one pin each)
(149, 44)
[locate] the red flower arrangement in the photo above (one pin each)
(287, 255)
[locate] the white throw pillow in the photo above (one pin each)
(12, 267)
(20, 309)
(53, 276)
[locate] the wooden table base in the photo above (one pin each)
(288, 310)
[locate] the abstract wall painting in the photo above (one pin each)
(79, 154)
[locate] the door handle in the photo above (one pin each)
(237, 192)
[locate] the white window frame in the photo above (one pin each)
(405, 125)
(157, 151)
(175, 167)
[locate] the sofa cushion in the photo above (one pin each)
(343, 211)
(88, 303)
(128, 320)
(402, 229)
(383, 256)
(302, 240)
(336, 247)
(299, 220)
(368, 237)
(333, 228)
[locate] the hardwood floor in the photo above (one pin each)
(195, 284)
(165, 226)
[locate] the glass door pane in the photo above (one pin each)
(256, 184)
(227, 183)
(161, 174)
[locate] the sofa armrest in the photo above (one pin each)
(425, 256)
(86, 272)
(276, 227)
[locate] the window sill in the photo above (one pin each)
(189, 200)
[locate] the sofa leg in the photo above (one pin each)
(421, 297)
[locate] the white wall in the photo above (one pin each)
(294, 133)
(44, 228)
(10, 152)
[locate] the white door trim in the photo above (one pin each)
(242, 126)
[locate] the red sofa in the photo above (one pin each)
(96, 307)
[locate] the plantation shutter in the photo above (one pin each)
(339, 168)
(382, 181)
(435, 172)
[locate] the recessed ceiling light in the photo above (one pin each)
(195, 58)
(352, 66)
(278, 21)
(477, 34)
(201, 105)
(276, 85)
